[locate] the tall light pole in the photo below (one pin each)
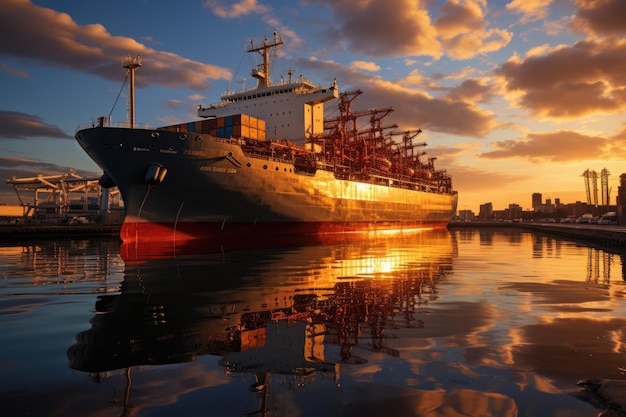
(131, 64)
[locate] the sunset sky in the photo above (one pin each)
(514, 96)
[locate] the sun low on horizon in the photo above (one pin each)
(513, 97)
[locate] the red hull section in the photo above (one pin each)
(145, 240)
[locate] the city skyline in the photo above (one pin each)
(512, 96)
(545, 201)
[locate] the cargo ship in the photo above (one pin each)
(266, 160)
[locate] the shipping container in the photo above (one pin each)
(241, 131)
(252, 122)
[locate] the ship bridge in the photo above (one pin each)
(292, 109)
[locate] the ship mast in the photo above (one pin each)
(262, 71)
(131, 64)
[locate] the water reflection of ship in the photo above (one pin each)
(298, 312)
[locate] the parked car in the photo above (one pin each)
(585, 218)
(608, 218)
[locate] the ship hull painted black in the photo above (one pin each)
(209, 184)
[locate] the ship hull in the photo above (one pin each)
(188, 185)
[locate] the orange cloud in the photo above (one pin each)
(560, 146)
(366, 66)
(569, 82)
(471, 89)
(374, 28)
(16, 125)
(7, 69)
(463, 30)
(55, 38)
(600, 17)
(530, 9)
(235, 10)
(413, 107)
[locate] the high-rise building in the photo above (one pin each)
(537, 201)
(486, 211)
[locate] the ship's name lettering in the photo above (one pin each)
(218, 169)
(138, 149)
(195, 152)
(169, 151)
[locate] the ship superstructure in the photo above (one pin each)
(292, 109)
(265, 160)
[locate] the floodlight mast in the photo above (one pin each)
(131, 64)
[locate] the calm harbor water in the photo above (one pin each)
(476, 322)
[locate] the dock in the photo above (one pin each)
(58, 230)
(605, 235)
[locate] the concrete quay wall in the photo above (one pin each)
(56, 231)
(607, 235)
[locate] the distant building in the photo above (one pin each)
(540, 207)
(579, 208)
(513, 212)
(467, 215)
(537, 200)
(486, 211)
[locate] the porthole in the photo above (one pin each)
(171, 148)
(182, 137)
(248, 164)
(276, 168)
(121, 145)
(198, 138)
(154, 134)
(264, 166)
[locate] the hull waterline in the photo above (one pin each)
(210, 187)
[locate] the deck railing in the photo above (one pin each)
(105, 123)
